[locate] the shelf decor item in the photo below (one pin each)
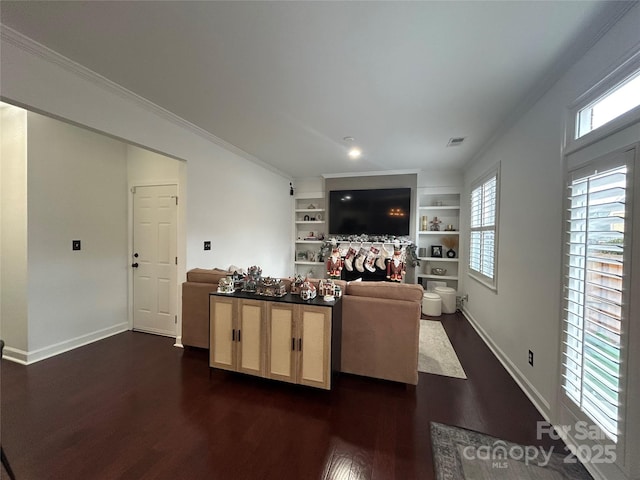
(435, 224)
(436, 251)
(424, 224)
(438, 271)
(451, 243)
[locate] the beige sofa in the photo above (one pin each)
(380, 324)
(381, 330)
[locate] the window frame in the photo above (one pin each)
(490, 283)
(619, 74)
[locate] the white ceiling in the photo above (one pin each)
(286, 81)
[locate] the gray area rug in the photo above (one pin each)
(461, 454)
(436, 354)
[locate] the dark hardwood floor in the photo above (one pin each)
(134, 407)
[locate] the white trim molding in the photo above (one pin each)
(33, 356)
(529, 390)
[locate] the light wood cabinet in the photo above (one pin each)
(299, 344)
(285, 339)
(237, 334)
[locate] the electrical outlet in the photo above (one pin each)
(530, 358)
(207, 245)
(75, 244)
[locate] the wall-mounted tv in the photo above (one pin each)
(373, 212)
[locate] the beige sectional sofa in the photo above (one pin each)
(380, 324)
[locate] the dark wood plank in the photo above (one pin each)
(134, 407)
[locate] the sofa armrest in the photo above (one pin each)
(380, 338)
(195, 313)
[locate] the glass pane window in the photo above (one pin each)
(616, 102)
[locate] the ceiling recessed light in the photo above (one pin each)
(354, 153)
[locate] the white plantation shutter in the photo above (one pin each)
(594, 295)
(484, 219)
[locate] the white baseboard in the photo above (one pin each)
(27, 358)
(178, 342)
(529, 390)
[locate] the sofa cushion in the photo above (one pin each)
(392, 291)
(204, 275)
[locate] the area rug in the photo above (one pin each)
(461, 454)
(436, 354)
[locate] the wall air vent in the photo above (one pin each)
(455, 141)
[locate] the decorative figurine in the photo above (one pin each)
(326, 288)
(252, 279)
(435, 224)
(226, 285)
(335, 263)
(395, 266)
(308, 290)
(296, 284)
(271, 287)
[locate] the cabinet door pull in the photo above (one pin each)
(300, 344)
(233, 335)
(238, 334)
(293, 344)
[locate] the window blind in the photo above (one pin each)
(482, 241)
(593, 303)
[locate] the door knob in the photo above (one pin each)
(134, 265)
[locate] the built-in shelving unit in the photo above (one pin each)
(443, 204)
(309, 226)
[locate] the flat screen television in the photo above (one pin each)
(373, 212)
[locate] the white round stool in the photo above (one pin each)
(448, 296)
(431, 304)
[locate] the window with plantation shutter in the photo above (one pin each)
(483, 229)
(594, 303)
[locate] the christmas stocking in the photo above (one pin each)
(359, 261)
(370, 261)
(381, 261)
(348, 259)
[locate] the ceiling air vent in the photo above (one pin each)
(455, 141)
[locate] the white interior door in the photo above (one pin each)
(154, 259)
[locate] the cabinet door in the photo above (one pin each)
(222, 350)
(281, 343)
(315, 356)
(249, 335)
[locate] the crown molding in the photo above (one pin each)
(21, 41)
(610, 14)
(371, 174)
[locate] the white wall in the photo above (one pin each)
(525, 312)
(440, 178)
(13, 219)
(243, 207)
(77, 183)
